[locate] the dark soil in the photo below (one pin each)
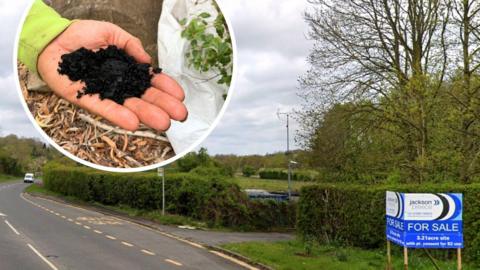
(110, 72)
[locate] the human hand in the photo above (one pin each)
(160, 103)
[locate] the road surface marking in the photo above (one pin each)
(127, 244)
(97, 231)
(110, 237)
(2, 215)
(11, 227)
(86, 227)
(148, 252)
(64, 217)
(57, 214)
(71, 220)
(238, 262)
(177, 238)
(78, 223)
(246, 265)
(173, 262)
(43, 258)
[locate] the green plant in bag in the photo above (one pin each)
(210, 46)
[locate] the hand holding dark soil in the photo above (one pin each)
(156, 107)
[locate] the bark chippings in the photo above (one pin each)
(90, 137)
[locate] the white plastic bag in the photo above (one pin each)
(203, 97)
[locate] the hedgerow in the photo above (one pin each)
(204, 195)
(297, 175)
(354, 215)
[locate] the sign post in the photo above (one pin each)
(161, 173)
(424, 220)
(389, 255)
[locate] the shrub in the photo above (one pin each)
(203, 194)
(297, 175)
(248, 171)
(355, 214)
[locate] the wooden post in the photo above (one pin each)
(389, 256)
(405, 258)
(459, 259)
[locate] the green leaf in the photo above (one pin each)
(205, 15)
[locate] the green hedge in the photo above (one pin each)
(297, 175)
(355, 215)
(205, 197)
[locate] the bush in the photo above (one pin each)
(248, 171)
(297, 175)
(203, 194)
(355, 215)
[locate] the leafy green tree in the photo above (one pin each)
(248, 171)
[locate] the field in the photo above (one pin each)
(290, 256)
(267, 184)
(6, 178)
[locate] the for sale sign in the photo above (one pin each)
(424, 220)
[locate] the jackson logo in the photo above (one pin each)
(422, 206)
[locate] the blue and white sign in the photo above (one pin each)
(425, 220)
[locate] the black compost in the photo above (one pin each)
(110, 72)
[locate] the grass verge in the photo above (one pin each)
(7, 178)
(290, 255)
(267, 184)
(153, 215)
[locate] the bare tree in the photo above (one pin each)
(465, 93)
(391, 53)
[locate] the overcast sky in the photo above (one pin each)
(272, 50)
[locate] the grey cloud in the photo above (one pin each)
(272, 54)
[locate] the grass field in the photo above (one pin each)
(288, 256)
(267, 184)
(6, 178)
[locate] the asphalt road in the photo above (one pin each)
(40, 234)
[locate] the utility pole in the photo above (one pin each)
(288, 153)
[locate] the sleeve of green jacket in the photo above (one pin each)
(42, 25)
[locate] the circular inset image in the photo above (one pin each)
(125, 85)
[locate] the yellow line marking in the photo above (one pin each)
(173, 262)
(11, 227)
(86, 227)
(110, 237)
(127, 244)
(246, 265)
(43, 258)
(97, 231)
(148, 252)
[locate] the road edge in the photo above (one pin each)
(252, 265)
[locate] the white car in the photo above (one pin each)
(28, 178)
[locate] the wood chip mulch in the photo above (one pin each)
(91, 138)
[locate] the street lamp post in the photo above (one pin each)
(290, 163)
